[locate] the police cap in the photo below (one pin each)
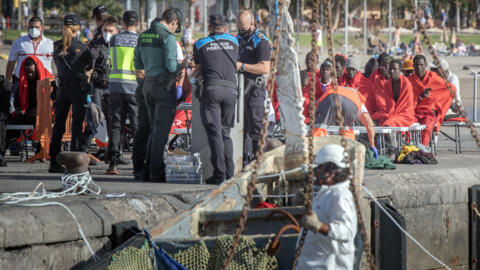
(130, 16)
(218, 20)
(98, 10)
(71, 19)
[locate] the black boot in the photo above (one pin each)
(3, 162)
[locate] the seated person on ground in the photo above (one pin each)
(394, 105)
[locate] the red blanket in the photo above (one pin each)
(440, 98)
(390, 113)
(42, 73)
(378, 83)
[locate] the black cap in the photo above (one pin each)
(130, 16)
(99, 10)
(71, 19)
(218, 20)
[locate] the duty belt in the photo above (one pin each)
(154, 78)
(218, 82)
(259, 82)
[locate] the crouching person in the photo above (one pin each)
(332, 225)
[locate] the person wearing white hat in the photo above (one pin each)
(451, 78)
(332, 225)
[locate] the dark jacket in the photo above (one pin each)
(71, 68)
(5, 92)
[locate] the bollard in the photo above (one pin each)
(475, 79)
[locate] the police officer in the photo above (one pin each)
(74, 67)
(99, 50)
(122, 85)
(156, 54)
(99, 14)
(216, 56)
(254, 62)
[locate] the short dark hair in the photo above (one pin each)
(312, 54)
(340, 59)
(35, 19)
(110, 20)
(29, 62)
(130, 18)
(396, 61)
(418, 57)
(170, 15)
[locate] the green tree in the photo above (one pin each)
(84, 8)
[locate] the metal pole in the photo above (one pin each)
(205, 33)
(346, 27)
(19, 21)
(365, 26)
(415, 16)
(389, 25)
(475, 84)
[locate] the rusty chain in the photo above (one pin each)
(443, 74)
(311, 123)
(261, 143)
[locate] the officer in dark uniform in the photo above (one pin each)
(99, 14)
(254, 62)
(74, 66)
(216, 56)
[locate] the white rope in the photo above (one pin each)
(301, 168)
(403, 230)
(72, 184)
(82, 234)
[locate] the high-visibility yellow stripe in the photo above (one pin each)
(125, 58)
(123, 76)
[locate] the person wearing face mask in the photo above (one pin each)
(99, 49)
(155, 62)
(122, 85)
(33, 44)
(254, 62)
(74, 64)
(332, 224)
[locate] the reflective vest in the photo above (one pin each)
(122, 73)
(351, 95)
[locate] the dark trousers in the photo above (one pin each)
(141, 134)
(253, 112)
(62, 106)
(3, 137)
(217, 109)
(120, 105)
(160, 97)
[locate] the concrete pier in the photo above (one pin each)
(432, 198)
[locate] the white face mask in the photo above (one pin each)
(107, 36)
(34, 32)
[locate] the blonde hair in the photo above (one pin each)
(68, 32)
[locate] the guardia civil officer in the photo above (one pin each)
(254, 62)
(156, 54)
(74, 67)
(216, 56)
